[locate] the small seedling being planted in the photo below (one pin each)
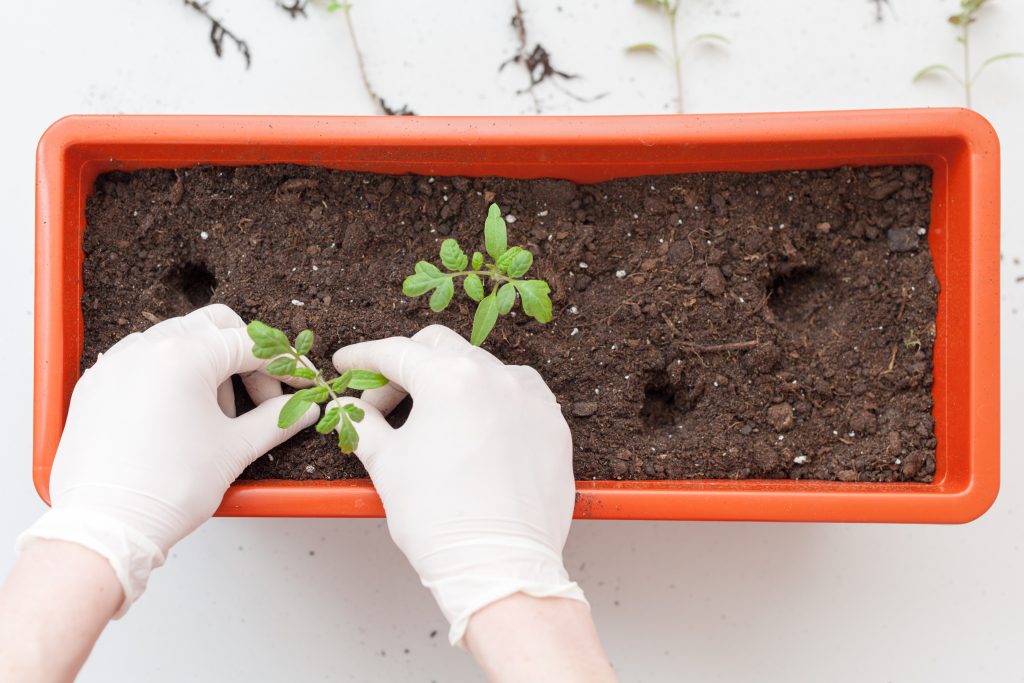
(501, 274)
(962, 21)
(670, 9)
(270, 342)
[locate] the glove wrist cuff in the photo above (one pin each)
(131, 555)
(475, 585)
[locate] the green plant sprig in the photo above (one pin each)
(963, 20)
(502, 275)
(670, 8)
(288, 361)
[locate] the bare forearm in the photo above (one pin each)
(521, 638)
(53, 607)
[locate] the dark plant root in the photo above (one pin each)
(390, 111)
(880, 5)
(218, 32)
(376, 98)
(537, 63)
(295, 8)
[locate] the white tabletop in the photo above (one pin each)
(333, 600)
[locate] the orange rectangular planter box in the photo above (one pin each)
(960, 147)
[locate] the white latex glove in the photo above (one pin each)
(151, 442)
(477, 484)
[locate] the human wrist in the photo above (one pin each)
(522, 637)
(467, 577)
(131, 554)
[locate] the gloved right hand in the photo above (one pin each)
(477, 484)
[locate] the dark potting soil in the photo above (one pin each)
(717, 325)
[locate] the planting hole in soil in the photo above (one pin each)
(194, 281)
(721, 325)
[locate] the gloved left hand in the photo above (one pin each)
(151, 441)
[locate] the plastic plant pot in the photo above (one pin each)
(960, 147)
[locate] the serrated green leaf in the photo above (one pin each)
(291, 411)
(348, 437)
(484, 318)
(933, 68)
(316, 394)
(265, 335)
(442, 296)
(304, 373)
(650, 48)
(269, 340)
(536, 302)
(304, 342)
(429, 269)
(362, 380)
(474, 287)
(495, 232)
(452, 256)
(506, 298)
(265, 352)
(354, 412)
(340, 383)
(505, 259)
(329, 421)
(519, 263)
(282, 367)
(478, 260)
(418, 284)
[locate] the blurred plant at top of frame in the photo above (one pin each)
(670, 10)
(966, 78)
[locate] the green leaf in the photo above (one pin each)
(282, 367)
(266, 352)
(316, 394)
(495, 233)
(442, 296)
(269, 341)
(429, 269)
(474, 287)
(649, 48)
(366, 379)
(933, 68)
(418, 284)
(348, 438)
(329, 421)
(354, 412)
(291, 411)
(506, 298)
(536, 302)
(713, 37)
(427, 277)
(519, 263)
(505, 259)
(340, 384)
(452, 256)
(996, 58)
(304, 373)
(304, 342)
(484, 319)
(478, 260)
(265, 335)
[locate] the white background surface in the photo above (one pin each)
(249, 600)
